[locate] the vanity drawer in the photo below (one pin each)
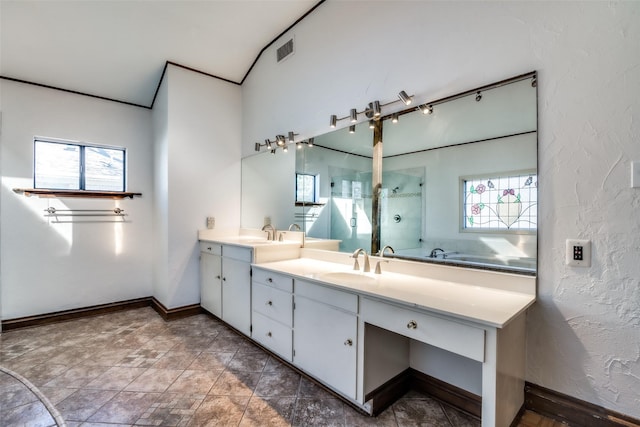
(279, 281)
(212, 248)
(450, 335)
(236, 252)
(273, 335)
(327, 295)
(273, 303)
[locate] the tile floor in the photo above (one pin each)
(133, 368)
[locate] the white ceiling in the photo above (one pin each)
(118, 48)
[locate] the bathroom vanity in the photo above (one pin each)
(352, 331)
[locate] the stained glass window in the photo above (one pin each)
(505, 202)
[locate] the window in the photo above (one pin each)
(306, 188)
(506, 202)
(67, 165)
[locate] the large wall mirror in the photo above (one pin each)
(455, 183)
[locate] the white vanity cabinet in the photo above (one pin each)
(236, 287)
(211, 277)
(272, 312)
(326, 335)
(225, 283)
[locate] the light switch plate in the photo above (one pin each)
(635, 174)
(578, 253)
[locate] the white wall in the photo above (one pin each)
(202, 173)
(582, 332)
(49, 267)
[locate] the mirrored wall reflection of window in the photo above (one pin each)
(343, 207)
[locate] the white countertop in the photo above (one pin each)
(479, 304)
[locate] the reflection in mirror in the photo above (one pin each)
(462, 179)
(342, 208)
(474, 167)
(267, 190)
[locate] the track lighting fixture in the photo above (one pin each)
(394, 118)
(280, 141)
(371, 124)
(534, 81)
(372, 111)
(299, 145)
(478, 96)
(404, 97)
(310, 143)
(285, 149)
(352, 129)
(426, 109)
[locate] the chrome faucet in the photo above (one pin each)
(356, 266)
(271, 232)
(434, 252)
(381, 253)
(295, 227)
(378, 270)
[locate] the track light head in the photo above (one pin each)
(404, 97)
(371, 124)
(273, 152)
(353, 115)
(394, 118)
(310, 143)
(299, 145)
(333, 121)
(376, 109)
(268, 144)
(426, 109)
(257, 146)
(292, 136)
(285, 149)
(352, 129)
(478, 96)
(280, 140)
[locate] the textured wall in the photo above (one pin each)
(583, 332)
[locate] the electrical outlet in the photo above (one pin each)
(578, 253)
(635, 174)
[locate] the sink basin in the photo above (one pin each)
(347, 278)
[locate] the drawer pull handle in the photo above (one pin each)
(269, 334)
(270, 280)
(269, 303)
(348, 342)
(412, 324)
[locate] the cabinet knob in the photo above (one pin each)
(217, 277)
(270, 280)
(348, 342)
(268, 303)
(412, 324)
(209, 248)
(224, 279)
(269, 334)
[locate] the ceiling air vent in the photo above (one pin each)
(285, 50)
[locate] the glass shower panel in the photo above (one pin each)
(401, 207)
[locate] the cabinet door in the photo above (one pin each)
(211, 283)
(325, 340)
(236, 294)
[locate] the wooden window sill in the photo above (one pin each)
(40, 192)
